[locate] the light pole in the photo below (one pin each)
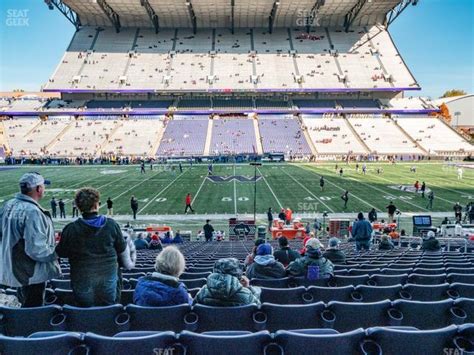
(255, 164)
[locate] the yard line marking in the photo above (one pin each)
(163, 190)
(131, 188)
(269, 187)
(199, 190)
(235, 194)
(337, 186)
(312, 194)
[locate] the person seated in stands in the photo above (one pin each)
(227, 286)
(149, 237)
(155, 243)
(430, 243)
(250, 257)
(162, 287)
(167, 239)
(333, 253)
(177, 238)
(93, 244)
(140, 242)
(265, 266)
(313, 265)
(285, 255)
(386, 243)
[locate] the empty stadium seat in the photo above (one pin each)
(425, 292)
(57, 344)
(207, 318)
(327, 294)
(158, 318)
(25, 321)
(427, 279)
(297, 295)
(378, 293)
(273, 317)
(388, 280)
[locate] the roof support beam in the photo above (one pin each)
(232, 6)
(65, 10)
(111, 14)
(271, 18)
(192, 15)
(397, 10)
(313, 19)
(151, 14)
(353, 13)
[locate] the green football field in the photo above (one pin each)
(162, 191)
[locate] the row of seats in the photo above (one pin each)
(341, 316)
(379, 340)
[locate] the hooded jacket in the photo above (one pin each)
(223, 287)
(431, 244)
(335, 255)
(160, 290)
(312, 257)
(92, 243)
(362, 230)
(286, 255)
(386, 245)
(27, 243)
(265, 267)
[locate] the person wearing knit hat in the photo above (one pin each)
(265, 266)
(333, 253)
(249, 258)
(430, 243)
(313, 265)
(285, 255)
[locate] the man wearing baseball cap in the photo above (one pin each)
(27, 242)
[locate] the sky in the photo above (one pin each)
(435, 38)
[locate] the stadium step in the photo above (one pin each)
(207, 146)
(110, 137)
(59, 136)
(357, 135)
(3, 138)
(410, 137)
(258, 137)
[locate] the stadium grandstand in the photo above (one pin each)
(172, 83)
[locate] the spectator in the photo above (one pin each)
(391, 208)
(75, 212)
(270, 218)
(430, 243)
(128, 258)
(134, 206)
(93, 245)
(167, 239)
(372, 215)
(362, 232)
(316, 225)
(163, 288)
(307, 228)
(265, 266)
(54, 206)
(333, 253)
(110, 207)
(226, 286)
(155, 243)
(177, 238)
(208, 230)
(62, 208)
(249, 259)
(285, 255)
(386, 243)
(27, 243)
(282, 215)
(457, 211)
(288, 215)
(140, 242)
(313, 265)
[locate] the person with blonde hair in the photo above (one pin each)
(162, 287)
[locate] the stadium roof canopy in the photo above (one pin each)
(229, 13)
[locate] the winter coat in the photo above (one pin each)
(286, 255)
(431, 244)
(265, 267)
(335, 255)
(159, 290)
(312, 257)
(386, 245)
(362, 230)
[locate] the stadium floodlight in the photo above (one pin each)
(255, 164)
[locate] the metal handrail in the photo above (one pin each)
(448, 240)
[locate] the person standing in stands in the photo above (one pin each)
(391, 208)
(162, 287)
(281, 215)
(188, 204)
(333, 253)
(372, 215)
(54, 206)
(265, 266)
(321, 183)
(134, 206)
(227, 286)
(285, 254)
(28, 259)
(269, 218)
(93, 244)
(362, 232)
(208, 230)
(110, 207)
(62, 208)
(75, 212)
(345, 198)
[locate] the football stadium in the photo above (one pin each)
(234, 177)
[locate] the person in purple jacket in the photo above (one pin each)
(163, 288)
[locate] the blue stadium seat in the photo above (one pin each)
(58, 283)
(378, 293)
(460, 270)
(194, 283)
(464, 339)
(458, 277)
(327, 294)
(25, 321)
(425, 292)
(340, 281)
(297, 295)
(204, 344)
(158, 318)
(126, 297)
(350, 316)
(427, 279)
(402, 341)
(467, 305)
(428, 271)
(270, 283)
(310, 344)
(462, 290)
(276, 317)
(388, 280)
(58, 344)
(224, 318)
(145, 344)
(107, 320)
(193, 275)
(64, 296)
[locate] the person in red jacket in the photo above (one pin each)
(188, 204)
(288, 215)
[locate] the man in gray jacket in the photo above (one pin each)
(27, 257)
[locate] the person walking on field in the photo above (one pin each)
(134, 206)
(110, 207)
(188, 204)
(54, 206)
(430, 200)
(321, 183)
(345, 198)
